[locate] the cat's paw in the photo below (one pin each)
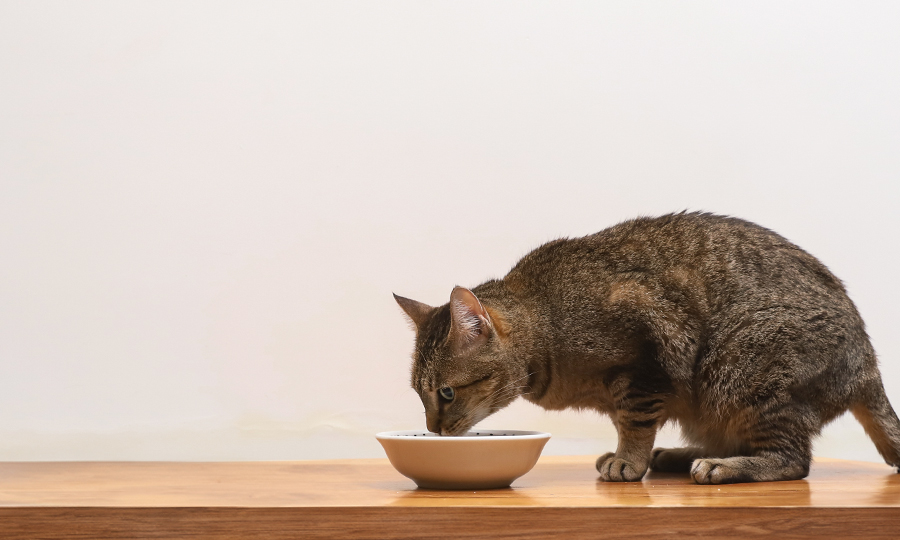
(715, 471)
(615, 469)
(602, 459)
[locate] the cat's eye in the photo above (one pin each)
(447, 393)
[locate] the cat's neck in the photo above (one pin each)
(524, 327)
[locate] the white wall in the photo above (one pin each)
(204, 206)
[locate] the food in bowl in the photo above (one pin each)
(480, 459)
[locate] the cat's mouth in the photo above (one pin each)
(467, 420)
(462, 425)
(457, 428)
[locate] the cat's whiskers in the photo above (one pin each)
(495, 392)
(504, 393)
(477, 413)
(507, 389)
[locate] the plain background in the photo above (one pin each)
(205, 206)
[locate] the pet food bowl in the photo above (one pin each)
(482, 459)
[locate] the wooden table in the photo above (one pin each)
(560, 498)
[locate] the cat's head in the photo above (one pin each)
(462, 363)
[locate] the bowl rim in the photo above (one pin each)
(491, 434)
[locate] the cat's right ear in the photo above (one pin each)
(416, 311)
(470, 322)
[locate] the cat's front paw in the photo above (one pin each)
(716, 471)
(615, 469)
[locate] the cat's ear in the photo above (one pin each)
(470, 323)
(416, 311)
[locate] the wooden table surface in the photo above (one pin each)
(560, 498)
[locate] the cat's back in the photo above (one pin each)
(723, 256)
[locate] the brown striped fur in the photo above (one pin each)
(746, 341)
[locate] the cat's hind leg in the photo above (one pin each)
(767, 468)
(675, 459)
(880, 421)
(778, 447)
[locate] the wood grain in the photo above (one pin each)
(560, 498)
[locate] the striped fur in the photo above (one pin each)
(746, 341)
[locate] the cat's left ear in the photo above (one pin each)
(417, 312)
(470, 323)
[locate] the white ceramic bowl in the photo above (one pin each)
(480, 459)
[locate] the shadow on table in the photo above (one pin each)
(889, 491)
(668, 489)
(484, 497)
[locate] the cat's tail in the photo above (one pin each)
(878, 418)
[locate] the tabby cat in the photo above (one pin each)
(745, 340)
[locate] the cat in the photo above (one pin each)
(747, 342)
